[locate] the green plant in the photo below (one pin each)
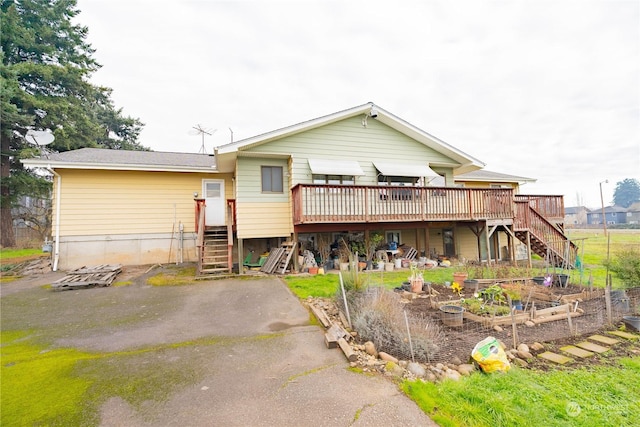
(481, 308)
(626, 266)
(493, 293)
(513, 294)
(375, 239)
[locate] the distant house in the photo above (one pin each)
(575, 216)
(613, 215)
(633, 213)
(358, 171)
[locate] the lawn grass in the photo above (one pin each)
(593, 246)
(600, 395)
(606, 395)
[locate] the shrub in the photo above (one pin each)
(626, 266)
(379, 317)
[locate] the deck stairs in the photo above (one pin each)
(214, 252)
(547, 240)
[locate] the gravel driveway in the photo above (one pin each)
(253, 357)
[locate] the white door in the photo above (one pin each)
(213, 190)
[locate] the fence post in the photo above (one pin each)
(607, 299)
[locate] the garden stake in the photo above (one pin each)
(344, 297)
(406, 321)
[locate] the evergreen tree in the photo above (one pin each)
(45, 67)
(627, 192)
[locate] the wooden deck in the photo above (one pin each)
(317, 204)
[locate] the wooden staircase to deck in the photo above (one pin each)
(214, 252)
(547, 239)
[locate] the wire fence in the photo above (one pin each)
(426, 328)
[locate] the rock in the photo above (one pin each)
(466, 369)
(498, 328)
(510, 355)
(452, 375)
(452, 366)
(387, 357)
(403, 364)
(524, 355)
(416, 369)
(521, 363)
(440, 366)
(456, 360)
(536, 346)
(529, 323)
(370, 348)
(523, 347)
(431, 377)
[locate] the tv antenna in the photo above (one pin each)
(40, 138)
(199, 130)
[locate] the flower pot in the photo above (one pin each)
(416, 284)
(320, 270)
(633, 322)
(561, 280)
(460, 277)
(539, 280)
(451, 315)
(313, 270)
(406, 263)
(517, 304)
(388, 266)
(398, 263)
(344, 266)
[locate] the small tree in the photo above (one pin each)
(626, 266)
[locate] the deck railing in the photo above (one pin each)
(551, 207)
(531, 220)
(348, 203)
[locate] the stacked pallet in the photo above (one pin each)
(88, 277)
(279, 259)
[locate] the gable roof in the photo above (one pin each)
(484, 176)
(370, 111)
(102, 158)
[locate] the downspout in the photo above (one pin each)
(56, 251)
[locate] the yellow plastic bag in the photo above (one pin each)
(490, 356)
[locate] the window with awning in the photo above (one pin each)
(407, 170)
(341, 172)
(335, 167)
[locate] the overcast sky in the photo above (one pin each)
(542, 89)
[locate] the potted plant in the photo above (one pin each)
(375, 239)
(416, 279)
(516, 298)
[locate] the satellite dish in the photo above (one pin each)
(39, 137)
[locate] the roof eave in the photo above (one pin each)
(114, 166)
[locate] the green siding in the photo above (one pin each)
(348, 139)
(249, 185)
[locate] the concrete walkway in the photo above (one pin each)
(260, 362)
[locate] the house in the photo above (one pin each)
(633, 213)
(351, 173)
(575, 216)
(613, 215)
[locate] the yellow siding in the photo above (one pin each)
(264, 220)
(467, 243)
(95, 202)
(486, 184)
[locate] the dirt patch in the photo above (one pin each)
(459, 341)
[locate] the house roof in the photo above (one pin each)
(101, 158)
(484, 176)
(463, 161)
(572, 210)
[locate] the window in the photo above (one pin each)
(334, 179)
(272, 179)
(393, 236)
